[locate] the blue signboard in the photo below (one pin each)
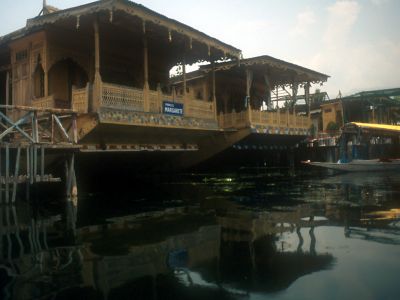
(172, 108)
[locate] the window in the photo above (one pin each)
(21, 55)
(38, 81)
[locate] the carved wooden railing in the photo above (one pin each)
(281, 119)
(234, 119)
(80, 100)
(265, 118)
(155, 101)
(122, 97)
(199, 109)
(45, 102)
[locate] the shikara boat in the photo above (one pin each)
(360, 165)
(364, 132)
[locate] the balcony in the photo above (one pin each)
(273, 122)
(127, 105)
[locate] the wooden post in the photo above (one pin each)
(7, 171)
(145, 71)
(214, 90)
(35, 161)
(249, 80)
(74, 129)
(45, 68)
(71, 178)
(8, 88)
(184, 75)
(159, 98)
(28, 162)
(307, 98)
(35, 127)
(41, 163)
(97, 77)
(14, 193)
(287, 114)
(52, 129)
(31, 164)
(269, 88)
(185, 102)
(295, 88)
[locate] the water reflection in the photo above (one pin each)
(245, 237)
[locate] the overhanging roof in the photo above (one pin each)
(272, 64)
(377, 96)
(377, 93)
(280, 72)
(129, 7)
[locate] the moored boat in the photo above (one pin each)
(360, 165)
(361, 136)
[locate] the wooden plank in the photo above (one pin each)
(31, 163)
(15, 126)
(25, 178)
(14, 193)
(39, 109)
(28, 162)
(35, 161)
(7, 171)
(59, 124)
(41, 161)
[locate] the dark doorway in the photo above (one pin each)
(63, 76)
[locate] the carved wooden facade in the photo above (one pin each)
(259, 93)
(109, 62)
(112, 54)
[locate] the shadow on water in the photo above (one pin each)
(197, 236)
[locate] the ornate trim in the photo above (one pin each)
(123, 117)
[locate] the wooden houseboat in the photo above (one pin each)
(108, 64)
(109, 61)
(257, 101)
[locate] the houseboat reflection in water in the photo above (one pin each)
(238, 242)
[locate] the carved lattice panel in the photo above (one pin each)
(122, 97)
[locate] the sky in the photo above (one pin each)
(356, 42)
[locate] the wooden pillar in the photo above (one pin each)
(184, 75)
(8, 88)
(295, 88)
(159, 97)
(72, 189)
(249, 80)
(97, 77)
(287, 115)
(185, 100)
(214, 90)
(278, 110)
(145, 71)
(307, 97)
(45, 68)
(269, 88)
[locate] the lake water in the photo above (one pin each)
(204, 236)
